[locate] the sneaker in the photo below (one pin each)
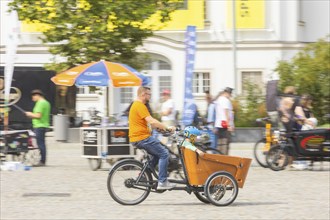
(300, 165)
(165, 185)
(40, 164)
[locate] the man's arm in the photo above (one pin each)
(167, 112)
(156, 124)
(33, 115)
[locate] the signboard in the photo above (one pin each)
(90, 136)
(118, 136)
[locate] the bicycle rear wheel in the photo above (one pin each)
(122, 182)
(260, 151)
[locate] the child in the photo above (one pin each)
(191, 134)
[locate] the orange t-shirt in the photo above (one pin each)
(138, 126)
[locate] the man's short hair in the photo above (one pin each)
(142, 89)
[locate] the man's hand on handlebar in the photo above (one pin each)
(171, 129)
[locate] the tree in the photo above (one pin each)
(309, 72)
(88, 30)
(249, 107)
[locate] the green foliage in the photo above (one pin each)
(249, 107)
(83, 31)
(309, 72)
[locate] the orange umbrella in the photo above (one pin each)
(99, 74)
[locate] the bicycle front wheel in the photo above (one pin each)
(277, 158)
(260, 152)
(123, 184)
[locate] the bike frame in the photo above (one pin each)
(188, 188)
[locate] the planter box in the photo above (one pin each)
(252, 134)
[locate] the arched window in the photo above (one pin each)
(158, 68)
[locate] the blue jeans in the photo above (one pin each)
(160, 155)
(40, 136)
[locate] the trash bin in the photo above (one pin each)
(61, 127)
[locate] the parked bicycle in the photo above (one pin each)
(263, 145)
(212, 178)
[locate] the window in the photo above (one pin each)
(162, 65)
(201, 82)
(165, 82)
(87, 89)
(254, 77)
(82, 90)
(126, 95)
(157, 65)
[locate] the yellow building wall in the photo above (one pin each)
(193, 15)
(250, 14)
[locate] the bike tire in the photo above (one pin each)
(32, 157)
(221, 188)
(277, 158)
(260, 153)
(202, 197)
(122, 180)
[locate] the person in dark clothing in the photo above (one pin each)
(126, 112)
(306, 101)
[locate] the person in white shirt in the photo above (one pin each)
(224, 120)
(168, 109)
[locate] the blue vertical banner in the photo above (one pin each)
(189, 108)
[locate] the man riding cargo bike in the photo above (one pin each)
(213, 178)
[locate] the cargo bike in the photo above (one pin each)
(212, 178)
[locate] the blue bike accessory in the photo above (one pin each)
(191, 130)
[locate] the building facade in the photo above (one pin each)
(265, 32)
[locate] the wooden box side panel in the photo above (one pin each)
(200, 168)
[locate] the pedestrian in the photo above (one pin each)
(290, 109)
(140, 126)
(224, 120)
(310, 121)
(40, 121)
(210, 119)
(168, 109)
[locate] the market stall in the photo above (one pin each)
(105, 144)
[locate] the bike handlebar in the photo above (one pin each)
(266, 119)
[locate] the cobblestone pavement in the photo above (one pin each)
(68, 189)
